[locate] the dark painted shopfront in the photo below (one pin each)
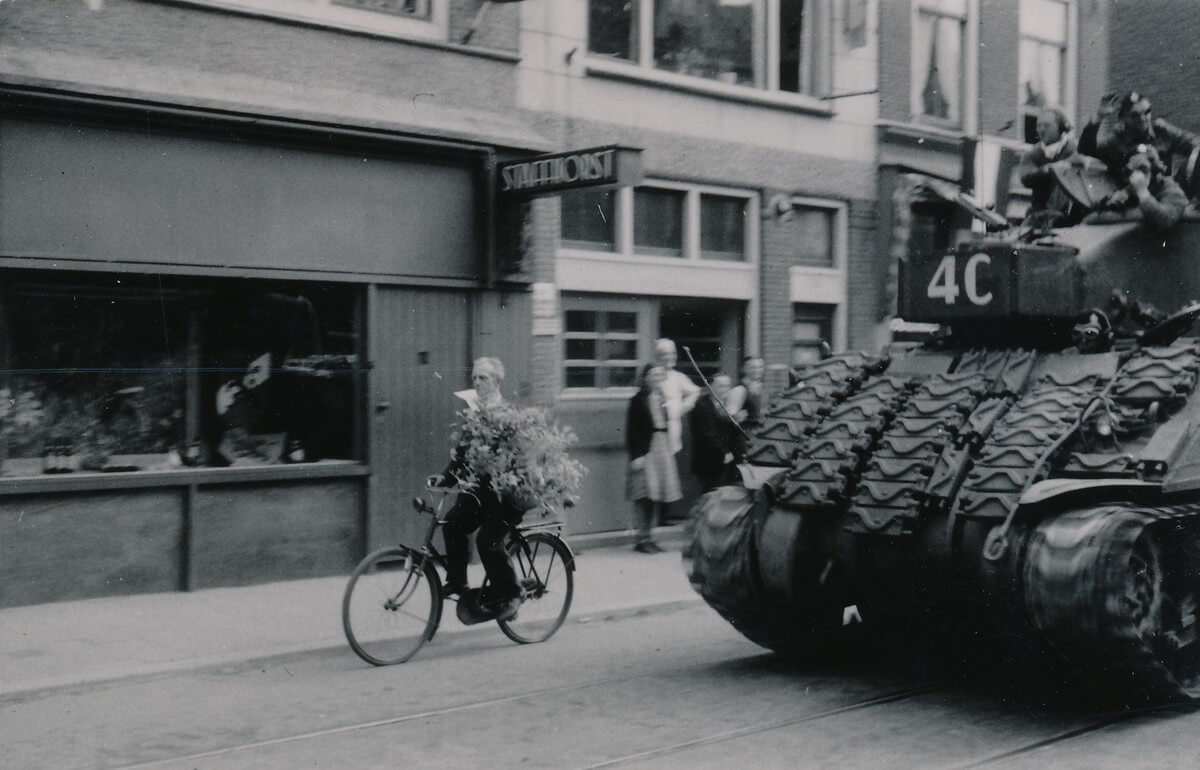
(230, 342)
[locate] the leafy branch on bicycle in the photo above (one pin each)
(520, 453)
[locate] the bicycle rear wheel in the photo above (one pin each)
(546, 574)
(392, 605)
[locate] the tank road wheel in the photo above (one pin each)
(735, 543)
(1114, 590)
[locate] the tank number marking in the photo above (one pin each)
(944, 283)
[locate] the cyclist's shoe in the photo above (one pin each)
(507, 609)
(453, 589)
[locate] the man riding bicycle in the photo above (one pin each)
(483, 510)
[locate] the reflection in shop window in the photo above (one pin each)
(135, 374)
(658, 222)
(589, 219)
(600, 349)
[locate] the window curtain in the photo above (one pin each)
(937, 50)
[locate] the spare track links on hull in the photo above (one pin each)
(1114, 591)
(875, 449)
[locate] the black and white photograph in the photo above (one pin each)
(580, 384)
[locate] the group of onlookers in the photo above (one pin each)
(719, 416)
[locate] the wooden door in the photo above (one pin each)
(420, 354)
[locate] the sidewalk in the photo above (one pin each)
(69, 643)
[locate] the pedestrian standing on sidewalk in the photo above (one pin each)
(653, 478)
(746, 400)
(680, 394)
(717, 441)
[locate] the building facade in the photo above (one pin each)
(248, 251)
(961, 84)
(752, 232)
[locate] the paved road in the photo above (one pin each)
(664, 690)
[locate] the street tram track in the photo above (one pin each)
(743, 732)
(1053, 740)
(490, 702)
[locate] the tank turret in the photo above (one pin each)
(1034, 465)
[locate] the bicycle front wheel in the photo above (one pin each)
(392, 605)
(546, 574)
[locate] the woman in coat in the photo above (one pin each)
(653, 480)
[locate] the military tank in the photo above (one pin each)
(1033, 468)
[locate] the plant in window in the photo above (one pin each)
(521, 453)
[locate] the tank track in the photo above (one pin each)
(876, 448)
(1081, 583)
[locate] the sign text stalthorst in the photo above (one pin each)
(595, 167)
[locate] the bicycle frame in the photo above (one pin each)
(516, 534)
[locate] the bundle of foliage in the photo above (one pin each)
(520, 453)
(20, 410)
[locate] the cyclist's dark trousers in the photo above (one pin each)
(493, 522)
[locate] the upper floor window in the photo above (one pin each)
(810, 232)
(402, 18)
(661, 219)
(777, 45)
(1043, 59)
(938, 62)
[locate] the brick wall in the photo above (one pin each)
(895, 59)
(998, 69)
(1154, 51)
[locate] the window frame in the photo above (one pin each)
(692, 233)
(817, 25)
(326, 13)
(968, 61)
(810, 312)
(1069, 73)
(646, 325)
(194, 302)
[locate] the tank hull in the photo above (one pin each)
(978, 487)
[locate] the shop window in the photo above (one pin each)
(938, 60)
(663, 219)
(769, 44)
(140, 373)
(812, 330)
(402, 18)
(1043, 55)
(810, 235)
(601, 348)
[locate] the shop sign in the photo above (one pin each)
(611, 166)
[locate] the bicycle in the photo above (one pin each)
(393, 602)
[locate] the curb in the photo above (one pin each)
(149, 671)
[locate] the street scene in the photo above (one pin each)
(599, 383)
